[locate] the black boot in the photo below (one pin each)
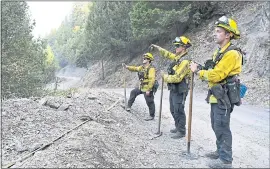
(218, 163)
(149, 118)
(178, 135)
(128, 109)
(212, 155)
(173, 130)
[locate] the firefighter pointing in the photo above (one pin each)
(148, 84)
(177, 79)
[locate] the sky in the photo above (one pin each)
(48, 15)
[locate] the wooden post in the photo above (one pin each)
(55, 84)
(103, 77)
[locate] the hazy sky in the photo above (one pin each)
(48, 15)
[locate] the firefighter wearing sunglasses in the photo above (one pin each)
(147, 75)
(177, 79)
(223, 91)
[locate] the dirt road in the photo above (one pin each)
(68, 82)
(249, 126)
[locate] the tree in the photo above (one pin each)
(108, 30)
(68, 40)
(157, 19)
(23, 59)
(105, 29)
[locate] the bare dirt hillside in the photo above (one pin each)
(116, 138)
(253, 22)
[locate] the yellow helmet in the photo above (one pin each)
(149, 56)
(229, 25)
(182, 41)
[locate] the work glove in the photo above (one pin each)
(155, 47)
(162, 74)
(194, 67)
(124, 65)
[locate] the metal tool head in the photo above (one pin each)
(190, 156)
(158, 134)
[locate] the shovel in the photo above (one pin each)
(190, 113)
(158, 133)
(187, 154)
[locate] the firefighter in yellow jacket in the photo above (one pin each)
(223, 88)
(177, 78)
(146, 73)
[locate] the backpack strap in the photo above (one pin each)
(231, 47)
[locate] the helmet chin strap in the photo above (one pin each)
(179, 53)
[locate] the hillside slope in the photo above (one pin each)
(253, 22)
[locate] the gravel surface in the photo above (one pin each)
(116, 138)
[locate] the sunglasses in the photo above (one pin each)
(145, 59)
(177, 46)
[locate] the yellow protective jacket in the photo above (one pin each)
(182, 70)
(149, 78)
(229, 65)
